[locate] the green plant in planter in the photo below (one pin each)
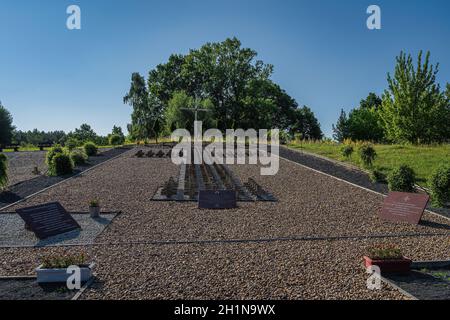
(384, 252)
(79, 157)
(94, 204)
(402, 179)
(440, 186)
(3, 171)
(63, 261)
(347, 151)
(367, 154)
(91, 149)
(61, 164)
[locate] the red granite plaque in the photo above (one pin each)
(404, 207)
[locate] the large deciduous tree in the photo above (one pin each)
(414, 109)
(229, 77)
(6, 126)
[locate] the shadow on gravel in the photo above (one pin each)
(435, 225)
(24, 189)
(29, 289)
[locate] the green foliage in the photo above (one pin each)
(384, 252)
(347, 151)
(83, 134)
(116, 140)
(63, 261)
(61, 164)
(440, 186)
(79, 157)
(6, 127)
(36, 137)
(91, 149)
(340, 130)
(56, 149)
(414, 109)
(236, 84)
(94, 203)
(364, 124)
(377, 175)
(72, 143)
(372, 101)
(3, 171)
(402, 179)
(367, 154)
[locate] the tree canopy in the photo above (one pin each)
(6, 126)
(235, 85)
(414, 109)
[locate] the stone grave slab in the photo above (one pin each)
(217, 199)
(48, 220)
(404, 207)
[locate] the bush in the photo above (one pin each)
(402, 179)
(78, 157)
(116, 140)
(347, 151)
(140, 154)
(3, 171)
(91, 149)
(440, 186)
(63, 261)
(384, 252)
(61, 164)
(72, 143)
(367, 154)
(377, 176)
(57, 149)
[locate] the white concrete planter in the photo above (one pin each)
(94, 212)
(61, 275)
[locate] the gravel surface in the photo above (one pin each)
(310, 205)
(21, 167)
(13, 233)
(29, 289)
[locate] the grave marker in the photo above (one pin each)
(404, 207)
(217, 199)
(48, 220)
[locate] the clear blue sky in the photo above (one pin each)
(324, 56)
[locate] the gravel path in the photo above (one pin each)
(21, 165)
(310, 205)
(29, 289)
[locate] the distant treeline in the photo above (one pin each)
(77, 137)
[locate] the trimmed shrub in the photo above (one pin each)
(116, 140)
(140, 154)
(367, 154)
(402, 179)
(3, 171)
(57, 149)
(440, 186)
(377, 176)
(78, 157)
(347, 151)
(91, 149)
(61, 164)
(72, 143)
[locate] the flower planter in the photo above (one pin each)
(94, 212)
(390, 266)
(61, 275)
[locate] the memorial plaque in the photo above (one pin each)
(48, 220)
(404, 207)
(220, 199)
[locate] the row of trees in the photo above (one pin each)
(413, 109)
(226, 80)
(85, 133)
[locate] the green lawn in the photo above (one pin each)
(423, 159)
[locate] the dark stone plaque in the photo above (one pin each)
(217, 199)
(404, 207)
(48, 220)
